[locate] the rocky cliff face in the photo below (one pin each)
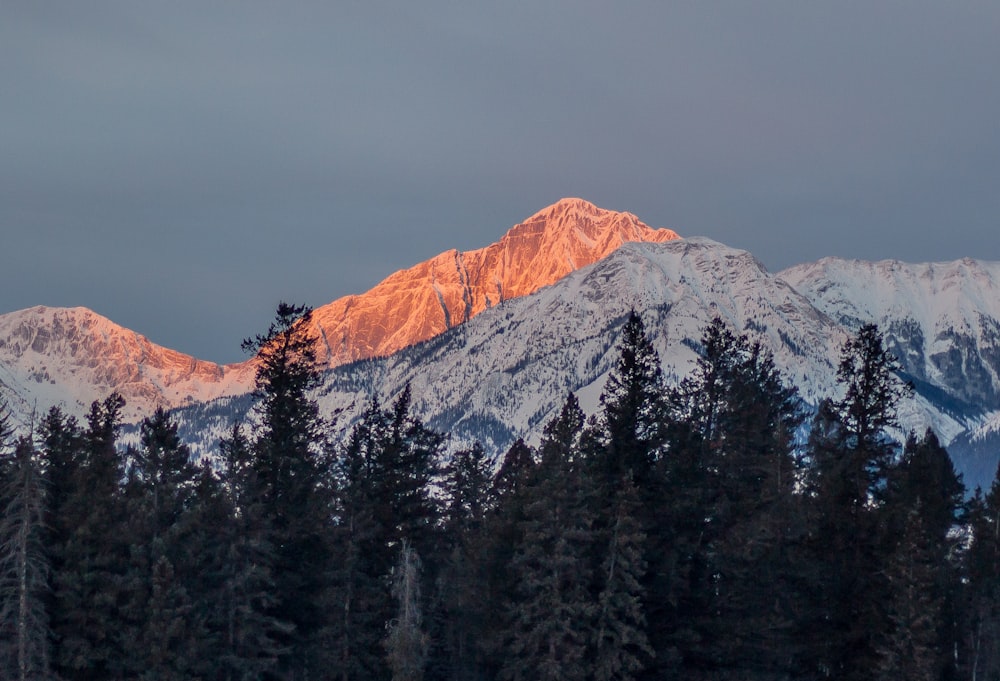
(942, 320)
(425, 300)
(70, 357)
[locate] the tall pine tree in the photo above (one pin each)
(291, 490)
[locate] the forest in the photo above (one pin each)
(716, 530)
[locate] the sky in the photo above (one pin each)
(181, 167)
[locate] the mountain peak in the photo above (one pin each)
(427, 299)
(567, 206)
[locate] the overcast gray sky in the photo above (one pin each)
(180, 167)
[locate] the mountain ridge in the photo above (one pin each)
(68, 357)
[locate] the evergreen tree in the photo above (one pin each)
(465, 611)
(921, 509)
(731, 478)
(384, 498)
(631, 428)
(248, 637)
(25, 635)
(85, 617)
(504, 528)
(981, 625)
(621, 647)
(163, 630)
(360, 602)
(290, 490)
(852, 454)
(552, 610)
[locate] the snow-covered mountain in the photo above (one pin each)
(942, 320)
(69, 357)
(423, 301)
(491, 340)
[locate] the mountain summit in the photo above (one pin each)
(427, 299)
(69, 357)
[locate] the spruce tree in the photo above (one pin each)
(359, 604)
(163, 630)
(981, 623)
(87, 585)
(25, 635)
(249, 638)
(551, 612)
(852, 451)
(730, 476)
(291, 491)
(465, 611)
(504, 527)
(621, 646)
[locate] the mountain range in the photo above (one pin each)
(491, 340)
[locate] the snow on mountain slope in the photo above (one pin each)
(502, 375)
(69, 357)
(941, 319)
(427, 299)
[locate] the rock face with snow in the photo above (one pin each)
(491, 340)
(71, 357)
(942, 320)
(425, 300)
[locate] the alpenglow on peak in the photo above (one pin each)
(427, 299)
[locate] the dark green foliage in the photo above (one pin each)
(464, 611)
(677, 534)
(621, 645)
(853, 454)
(631, 428)
(88, 582)
(25, 636)
(291, 493)
(165, 633)
(921, 513)
(551, 612)
(384, 476)
(981, 611)
(731, 475)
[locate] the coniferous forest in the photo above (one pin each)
(713, 530)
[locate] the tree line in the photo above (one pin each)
(711, 530)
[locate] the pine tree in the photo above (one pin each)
(249, 638)
(163, 629)
(94, 557)
(730, 477)
(621, 646)
(504, 528)
(359, 603)
(982, 604)
(852, 453)
(291, 491)
(25, 634)
(465, 612)
(631, 427)
(552, 611)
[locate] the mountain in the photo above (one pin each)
(423, 301)
(942, 320)
(73, 356)
(491, 340)
(70, 357)
(504, 373)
